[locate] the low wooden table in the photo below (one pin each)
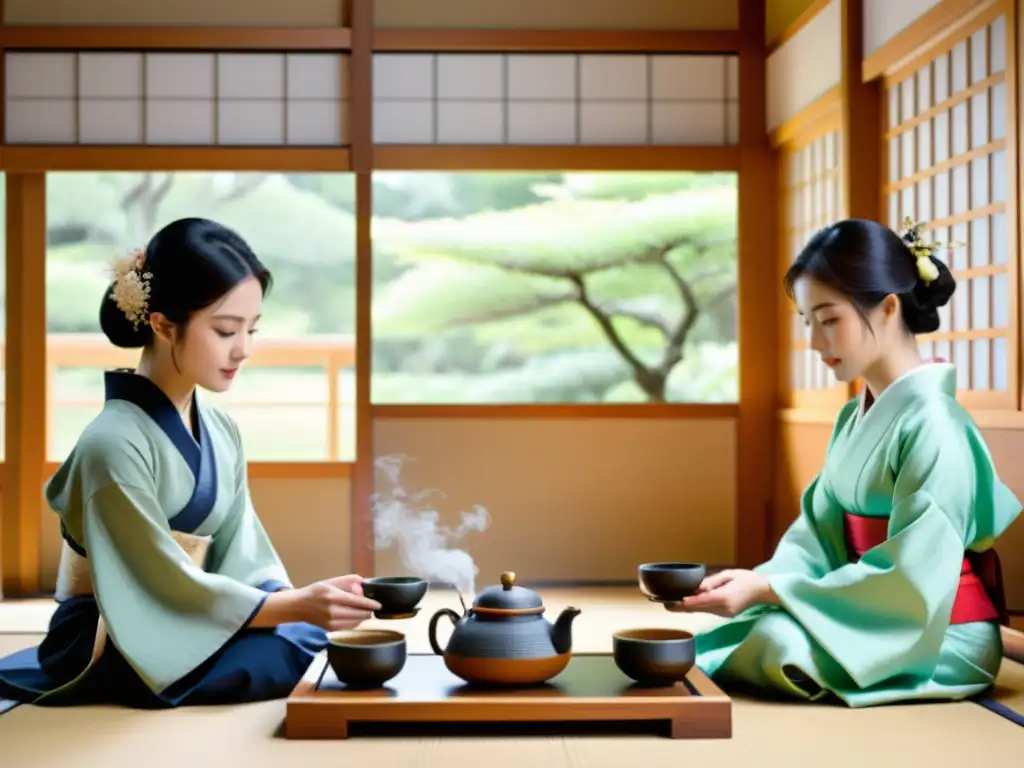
(591, 689)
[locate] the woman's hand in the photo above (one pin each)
(728, 593)
(353, 583)
(334, 604)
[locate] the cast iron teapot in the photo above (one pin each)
(504, 640)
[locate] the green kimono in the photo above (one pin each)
(877, 628)
(142, 622)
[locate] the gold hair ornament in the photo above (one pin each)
(131, 287)
(922, 252)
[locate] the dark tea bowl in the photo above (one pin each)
(670, 581)
(654, 657)
(366, 658)
(398, 596)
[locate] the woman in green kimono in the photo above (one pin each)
(886, 587)
(169, 591)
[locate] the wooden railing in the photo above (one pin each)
(331, 354)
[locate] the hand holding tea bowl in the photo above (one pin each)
(399, 596)
(654, 657)
(669, 582)
(366, 658)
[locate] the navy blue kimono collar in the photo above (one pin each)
(125, 384)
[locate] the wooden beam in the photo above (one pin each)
(361, 130)
(932, 23)
(801, 21)
(37, 158)
(25, 372)
(435, 157)
(98, 38)
(557, 40)
(819, 117)
(758, 297)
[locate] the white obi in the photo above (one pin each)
(74, 578)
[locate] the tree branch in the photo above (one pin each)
(646, 256)
(634, 310)
(641, 373)
(147, 199)
(166, 182)
(135, 193)
(677, 337)
(721, 296)
(531, 304)
(652, 380)
(240, 188)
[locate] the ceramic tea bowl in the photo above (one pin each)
(399, 596)
(668, 582)
(366, 658)
(654, 657)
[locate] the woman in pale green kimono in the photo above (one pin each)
(169, 590)
(886, 587)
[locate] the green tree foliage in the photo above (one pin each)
(488, 287)
(308, 242)
(597, 261)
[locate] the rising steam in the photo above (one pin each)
(425, 547)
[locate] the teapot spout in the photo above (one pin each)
(561, 631)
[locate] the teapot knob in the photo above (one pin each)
(508, 578)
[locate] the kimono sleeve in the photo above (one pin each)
(888, 612)
(241, 548)
(166, 615)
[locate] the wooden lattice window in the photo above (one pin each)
(950, 162)
(812, 194)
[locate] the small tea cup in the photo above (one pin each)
(399, 596)
(366, 658)
(654, 657)
(670, 582)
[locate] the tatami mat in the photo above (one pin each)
(764, 734)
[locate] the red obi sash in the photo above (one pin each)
(979, 597)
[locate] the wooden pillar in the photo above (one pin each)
(361, 132)
(862, 129)
(862, 115)
(25, 370)
(758, 291)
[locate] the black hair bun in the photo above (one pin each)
(118, 328)
(940, 290)
(921, 306)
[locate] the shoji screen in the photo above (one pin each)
(810, 177)
(950, 132)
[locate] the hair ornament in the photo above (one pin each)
(923, 252)
(131, 287)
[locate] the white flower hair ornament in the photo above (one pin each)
(131, 287)
(922, 252)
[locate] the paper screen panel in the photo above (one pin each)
(555, 99)
(948, 128)
(812, 198)
(176, 98)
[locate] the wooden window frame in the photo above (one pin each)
(25, 168)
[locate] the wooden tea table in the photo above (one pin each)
(591, 689)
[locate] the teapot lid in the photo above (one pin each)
(508, 597)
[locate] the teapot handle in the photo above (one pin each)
(432, 629)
